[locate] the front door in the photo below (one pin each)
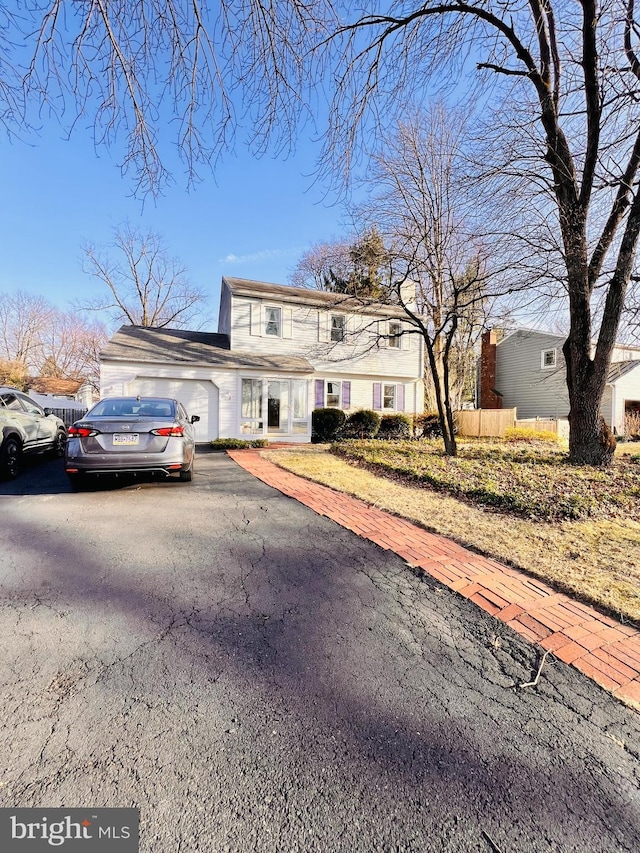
(277, 407)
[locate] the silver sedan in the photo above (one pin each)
(132, 435)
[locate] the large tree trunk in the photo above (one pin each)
(439, 376)
(590, 440)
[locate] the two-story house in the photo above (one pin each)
(526, 370)
(279, 352)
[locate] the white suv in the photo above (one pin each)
(26, 428)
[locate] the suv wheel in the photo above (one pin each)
(10, 454)
(59, 444)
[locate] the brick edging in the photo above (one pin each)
(606, 651)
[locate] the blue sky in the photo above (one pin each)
(253, 219)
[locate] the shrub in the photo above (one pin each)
(632, 425)
(426, 425)
(394, 427)
(326, 424)
(237, 443)
(529, 434)
(361, 424)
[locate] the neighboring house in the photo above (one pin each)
(65, 388)
(279, 353)
(80, 391)
(526, 370)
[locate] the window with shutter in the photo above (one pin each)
(333, 395)
(389, 397)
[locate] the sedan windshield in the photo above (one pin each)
(146, 407)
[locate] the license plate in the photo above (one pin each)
(125, 438)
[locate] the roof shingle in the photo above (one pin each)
(143, 343)
(304, 296)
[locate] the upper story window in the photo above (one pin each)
(273, 322)
(338, 327)
(548, 359)
(270, 321)
(395, 332)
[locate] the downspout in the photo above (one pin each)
(612, 419)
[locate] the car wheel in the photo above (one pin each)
(10, 456)
(59, 444)
(187, 476)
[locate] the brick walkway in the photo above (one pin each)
(603, 649)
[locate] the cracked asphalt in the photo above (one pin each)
(253, 677)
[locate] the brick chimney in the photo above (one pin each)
(489, 398)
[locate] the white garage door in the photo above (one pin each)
(198, 398)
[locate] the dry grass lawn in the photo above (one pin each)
(597, 560)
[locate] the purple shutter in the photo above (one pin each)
(346, 395)
(400, 401)
(319, 393)
(377, 395)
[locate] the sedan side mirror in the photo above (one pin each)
(195, 418)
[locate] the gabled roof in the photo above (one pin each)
(307, 296)
(59, 387)
(525, 332)
(621, 368)
(143, 343)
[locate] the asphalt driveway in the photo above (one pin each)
(255, 678)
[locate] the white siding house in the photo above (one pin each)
(279, 353)
(529, 374)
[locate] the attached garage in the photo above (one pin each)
(199, 397)
(198, 369)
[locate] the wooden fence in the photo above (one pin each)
(485, 422)
(559, 426)
(493, 422)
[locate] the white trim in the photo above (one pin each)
(264, 379)
(393, 408)
(400, 338)
(543, 353)
(280, 311)
(343, 317)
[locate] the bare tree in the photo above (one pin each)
(24, 318)
(352, 267)
(70, 348)
(426, 208)
(38, 339)
(145, 285)
(565, 75)
(322, 261)
(567, 78)
(131, 66)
